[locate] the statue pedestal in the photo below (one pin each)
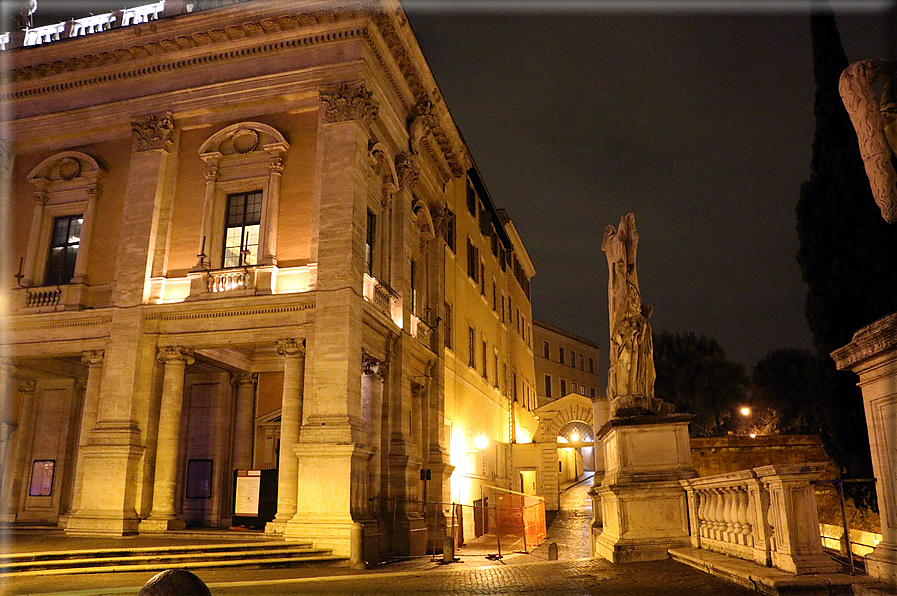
(643, 506)
(873, 356)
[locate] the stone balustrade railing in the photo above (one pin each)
(766, 515)
(380, 295)
(231, 279)
(41, 297)
(420, 330)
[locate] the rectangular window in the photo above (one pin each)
(563, 387)
(199, 479)
(63, 250)
(471, 199)
(591, 392)
(482, 278)
(494, 295)
(485, 361)
(572, 358)
(369, 243)
(495, 368)
(241, 229)
(548, 386)
(546, 350)
(591, 366)
(560, 354)
(448, 326)
(581, 367)
(473, 261)
(450, 229)
(575, 386)
(414, 296)
(471, 347)
(515, 387)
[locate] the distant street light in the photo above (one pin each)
(745, 411)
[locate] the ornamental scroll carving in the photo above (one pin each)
(291, 347)
(349, 103)
(407, 170)
(175, 354)
(875, 123)
(152, 131)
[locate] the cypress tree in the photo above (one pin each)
(847, 255)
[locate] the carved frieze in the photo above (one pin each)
(349, 103)
(152, 131)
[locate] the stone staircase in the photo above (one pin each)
(256, 554)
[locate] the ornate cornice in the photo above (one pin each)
(152, 131)
(349, 103)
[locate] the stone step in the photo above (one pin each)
(159, 558)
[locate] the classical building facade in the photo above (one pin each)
(248, 235)
(565, 363)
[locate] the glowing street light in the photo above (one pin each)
(745, 411)
(574, 437)
(481, 442)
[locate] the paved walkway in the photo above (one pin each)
(516, 573)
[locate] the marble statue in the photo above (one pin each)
(875, 122)
(631, 369)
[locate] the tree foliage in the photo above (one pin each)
(847, 255)
(694, 374)
(780, 390)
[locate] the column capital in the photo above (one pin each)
(372, 366)
(93, 357)
(408, 171)
(152, 131)
(291, 347)
(175, 353)
(348, 102)
(241, 378)
(27, 386)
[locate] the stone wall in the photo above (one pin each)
(721, 455)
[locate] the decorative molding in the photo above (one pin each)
(13, 327)
(230, 313)
(152, 132)
(408, 171)
(175, 354)
(349, 102)
(93, 357)
(241, 378)
(291, 347)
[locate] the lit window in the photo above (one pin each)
(241, 232)
(64, 246)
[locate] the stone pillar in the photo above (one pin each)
(40, 201)
(163, 516)
(873, 356)
(268, 242)
(331, 456)
(293, 352)
(12, 485)
(112, 478)
(93, 359)
(80, 276)
(244, 423)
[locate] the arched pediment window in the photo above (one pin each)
(243, 168)
(66, 189)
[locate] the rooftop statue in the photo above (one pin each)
(631, 373)
(875, 122)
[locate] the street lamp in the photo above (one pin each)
(745, 411)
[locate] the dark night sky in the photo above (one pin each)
(695, 115)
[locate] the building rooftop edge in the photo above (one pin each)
(558, 330)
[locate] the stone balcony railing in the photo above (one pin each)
(420, 330)
(381, 296)
(227, 280)
(48, 298)
(766, 515)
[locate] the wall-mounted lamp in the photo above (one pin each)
(480, 442)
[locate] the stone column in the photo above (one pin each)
(40, 200)
(873, 356)
(244, 423)
(293, 352)
(12, 484)
(80, 276)
(93, 359)
(112, 477)
(163, 516)
(330, 454)
(205, 242)
(268, 248)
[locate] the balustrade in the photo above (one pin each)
(380, 295)
(230, 279)
(42, 297)
(766, 515)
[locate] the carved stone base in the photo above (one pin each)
(644, 510)
(881, 563)
(150, 525)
